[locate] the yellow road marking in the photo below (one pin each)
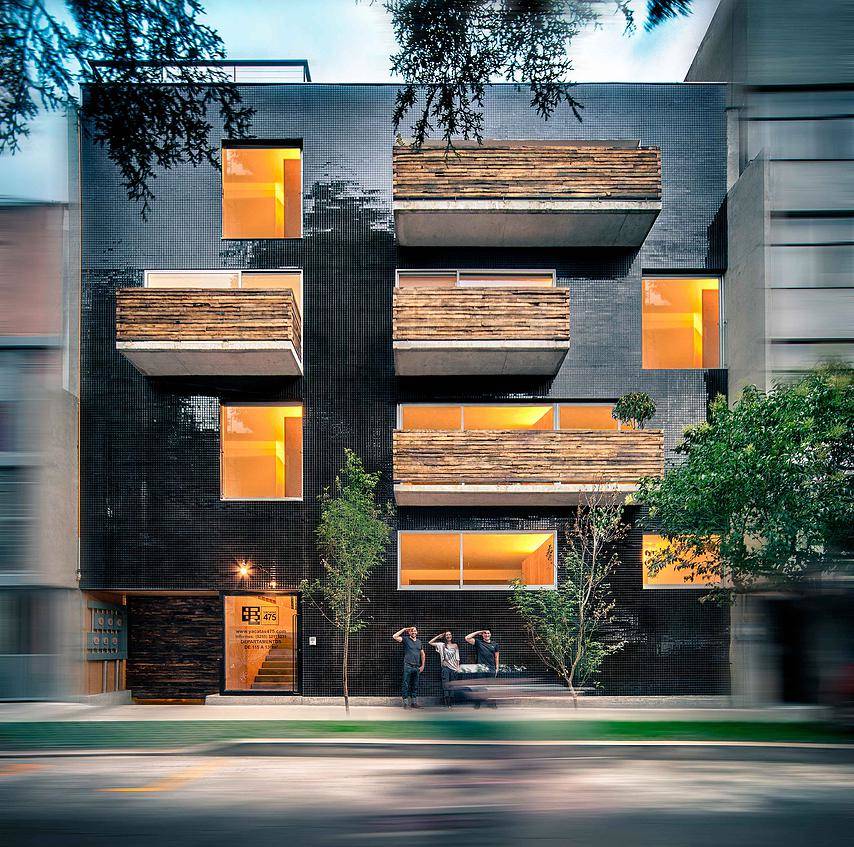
(169, 783)
(20, 767)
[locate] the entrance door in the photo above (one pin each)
(261, 643)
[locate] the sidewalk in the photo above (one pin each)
(649, 709)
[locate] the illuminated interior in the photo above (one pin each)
(474, 279)
(586, 417)
(261, 192)
(192, 279)
(429, 558)
(227, 279)
(681, 323)
(260, 650)
(476, 559)
(261, 449)
(668, 576)
(481, 417)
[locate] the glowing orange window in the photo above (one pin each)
(429, 558)
(577, 416)
(681, 323)
(261, 450)
(669, 576)
(261, 192)
(497, 558)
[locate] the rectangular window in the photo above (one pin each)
(260, 642)
(261, 452)
(261, 192)
(474, 560)
(681, 323)
(507, 416)
(578, 416)
(669, 576)
(429, 558)
(228, 279)
(475, 279)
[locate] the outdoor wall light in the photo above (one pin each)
(244, 571)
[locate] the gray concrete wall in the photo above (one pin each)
(744, 283)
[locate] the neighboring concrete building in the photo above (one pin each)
(464, 323)
(790, 175)
(41, 623)
(789, 285)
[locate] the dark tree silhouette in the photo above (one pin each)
(450, 50)
(46, 54)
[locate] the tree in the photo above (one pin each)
(571, 628)
(764, 494)
(353, 534)
(49, 50)
(450, 50)
(634, 410)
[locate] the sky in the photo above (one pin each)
(351, 41)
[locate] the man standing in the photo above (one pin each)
(413, 663)
(487, 650)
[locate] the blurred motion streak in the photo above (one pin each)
(788, 292)
(41, 611)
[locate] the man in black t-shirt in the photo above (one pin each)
(487, 650)
(413, 663)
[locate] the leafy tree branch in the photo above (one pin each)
(47, 55)
(352, 535)
(764, 495)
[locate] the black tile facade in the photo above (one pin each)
(151, 514)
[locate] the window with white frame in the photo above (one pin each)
(506, 416)
(476, 279)
(476, 560)
(284, 278)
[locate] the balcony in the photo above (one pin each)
(209, 332)
(459, 331)
(520, 467)
(527, 194)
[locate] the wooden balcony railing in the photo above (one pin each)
(194, 314)
(547, 169)
(578, 457)
(526, 194)
(183, 331)
(498, 314)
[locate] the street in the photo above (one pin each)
(576, 794)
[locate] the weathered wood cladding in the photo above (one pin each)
(174, 646)
(489, 457)
(564, 171)
(197, 314)
(511, 314)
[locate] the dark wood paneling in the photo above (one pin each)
(175, 647)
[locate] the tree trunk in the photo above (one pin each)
(344, 677)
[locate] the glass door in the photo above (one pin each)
(261, 643)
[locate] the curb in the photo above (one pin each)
(368, 746)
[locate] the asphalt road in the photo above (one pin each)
(580, 795)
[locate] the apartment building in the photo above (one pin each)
(464, 322)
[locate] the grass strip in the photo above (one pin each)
(148, 734)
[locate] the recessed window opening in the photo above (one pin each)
(474, 560)
(547, 416)
(261, 452)
(261, 192)
(668, 576)
(681, 323)
(475, 279)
